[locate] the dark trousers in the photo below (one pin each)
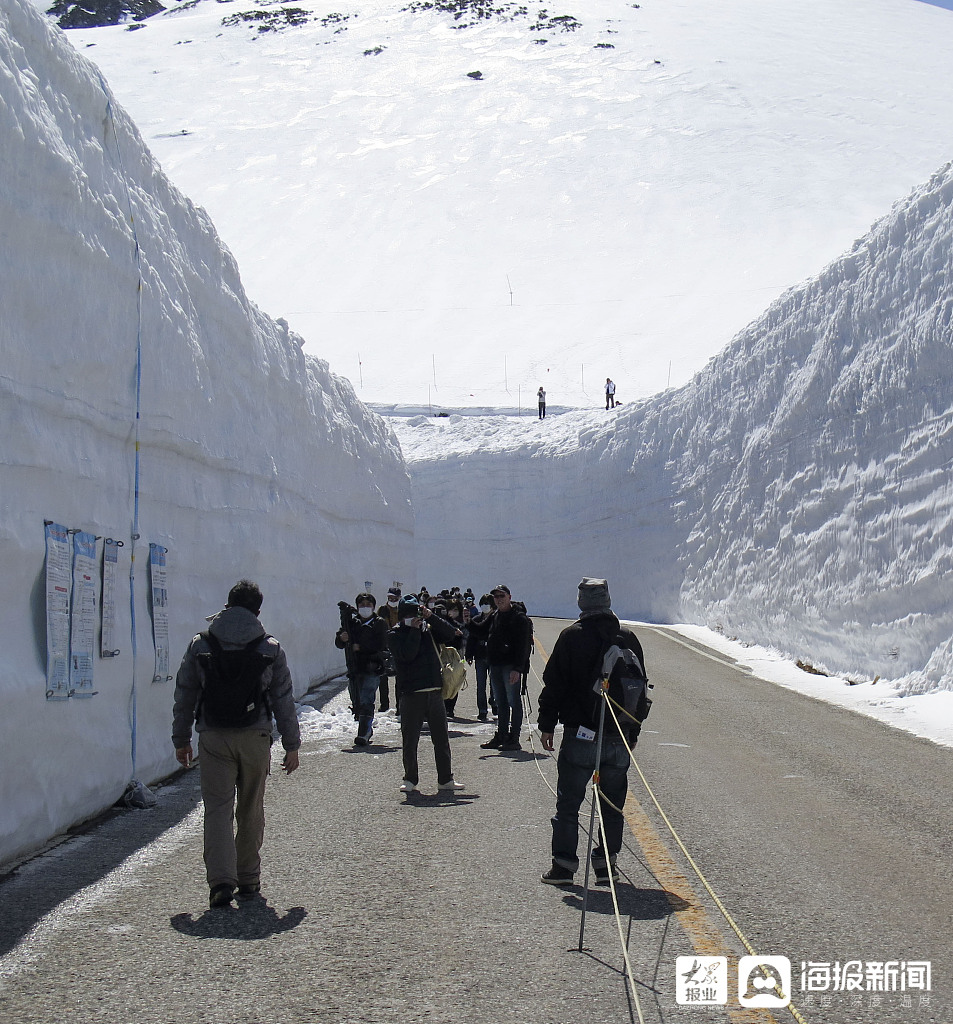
(415, 708)
(542, 410)
(575, 765)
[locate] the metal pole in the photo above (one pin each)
(592, 814)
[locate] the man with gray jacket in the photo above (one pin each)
(232, 680)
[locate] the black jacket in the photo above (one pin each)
(415, 657)
(370, 636)
(510, 639)
(573, 668)
(477, 636)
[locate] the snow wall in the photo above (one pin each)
(796, 493)
(255, 460)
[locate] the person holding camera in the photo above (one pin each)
(413, 643)
(363, 638)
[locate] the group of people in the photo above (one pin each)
(234, 679)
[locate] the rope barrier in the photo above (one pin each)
(598, 796)
(609, 702)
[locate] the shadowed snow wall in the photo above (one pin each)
(255, 460)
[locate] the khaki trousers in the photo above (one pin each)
(234, 762)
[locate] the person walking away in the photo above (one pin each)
(475, 653)
(541, 398)
(388, 613)
(233, 678)
(568, 697)
(610, 393)
(364, 642)
(413, 645)
(508, 645)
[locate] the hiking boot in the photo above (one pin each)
(557, 875)
(602, 873)
(512, 742)
(407, 786)
(248, 890)
(493, 743)
(451, 784)
(220, 895)
(483, 717)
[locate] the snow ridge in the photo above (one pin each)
(796, 492)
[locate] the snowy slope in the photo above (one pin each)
(797, 492)
(644, 185)
(255, 459)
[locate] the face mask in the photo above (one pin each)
(484, 608)
(365, 613)
(431, 605)
(393, 600)
(408, 622)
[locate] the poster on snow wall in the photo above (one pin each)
(107, 642)
(82, 632)
(160, 611)
(57, 611)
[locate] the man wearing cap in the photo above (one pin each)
(568, 697)
(508, 647)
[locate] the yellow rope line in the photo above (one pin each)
(615, 906)
(704, 881)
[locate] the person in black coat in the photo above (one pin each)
(568, 697)
(364, 641)
(418, 678)
(475, 653)
(508, 647)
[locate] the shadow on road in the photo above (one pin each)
(252, 920)
(634, 902)
(90, 852)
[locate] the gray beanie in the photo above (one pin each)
(594, 596)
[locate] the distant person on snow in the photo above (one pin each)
(417, 664)
(610, 393)
(541, 396)
(363, 638)
(232, 679)
(568, 696)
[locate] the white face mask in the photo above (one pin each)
(365, 612)
(408, 622)
(393, 600)
(484, 608)
(431, 605)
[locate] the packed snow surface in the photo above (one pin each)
(616, 191)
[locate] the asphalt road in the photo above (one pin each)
(823, 833)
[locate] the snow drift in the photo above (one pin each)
(255, 460)
(797, 492)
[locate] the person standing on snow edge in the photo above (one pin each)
(610, 393)
(541, 397)
(234, 761)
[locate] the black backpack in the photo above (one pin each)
(628, 688)
(233, 696)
